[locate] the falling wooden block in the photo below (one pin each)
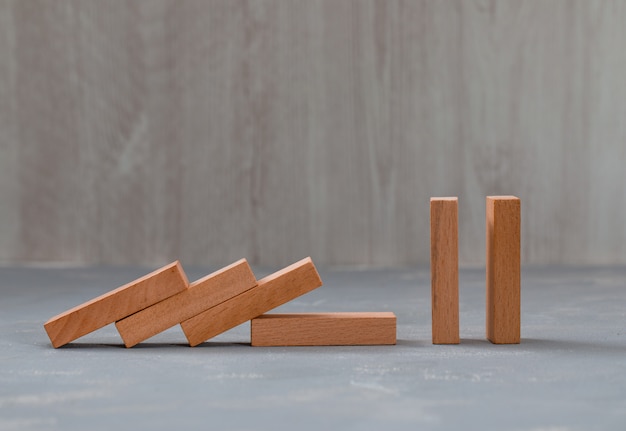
(323, 329)
(503, 269)
(444, 270)
(117, 304)
(201, 295)
(271, 291)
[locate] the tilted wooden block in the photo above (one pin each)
(324, 329)
(271, 291)
(201, 295)
(503, 269)
(444, 270)
(117, 304)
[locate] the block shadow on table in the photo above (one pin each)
(547, 345)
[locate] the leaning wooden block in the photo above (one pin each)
(444, 270)
(503, 269)
(117, 304)
(201, 295)
(271, 291)
(324, 329)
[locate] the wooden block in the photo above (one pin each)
(323, 329)
(444, 270)
(117, 304)
(271, 291)
(503, 269)
(201, 295)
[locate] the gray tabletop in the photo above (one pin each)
(569, 372)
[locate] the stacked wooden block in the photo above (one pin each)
(503, 215)
(218, 302)
(231, 296)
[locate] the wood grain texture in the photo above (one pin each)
(116, 304)
(123, 123)
(503, 269)
(444, 270)
(201, 295)
(271, 291)
(323, 329)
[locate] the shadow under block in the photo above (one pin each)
(116, 304)
(324, 329)
(201, 295)
(270, 292)
(503, 269)
(444, 270)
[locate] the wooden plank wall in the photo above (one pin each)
(207, 131)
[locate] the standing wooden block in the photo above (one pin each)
(117, 304)
(323, 329)
(201, 295)
(271, 291)
(444, 270)
(503, 269)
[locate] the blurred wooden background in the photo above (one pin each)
(145, 131)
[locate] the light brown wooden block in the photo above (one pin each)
(323, 329)
(444, 270)
(503, 269)
(116, 304)
(201, 295)
(271, 291)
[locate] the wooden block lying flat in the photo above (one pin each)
(503, 269)
(201, 295)
(117, 304)
(444, 270)
(271, 291)
(323, 329)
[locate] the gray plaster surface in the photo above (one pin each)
(569, 372)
